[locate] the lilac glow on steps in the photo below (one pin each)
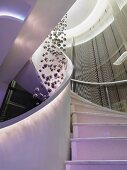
(82, 130)
(96, 165)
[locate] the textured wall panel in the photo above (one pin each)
(94, 62)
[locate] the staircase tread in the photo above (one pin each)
(97, 107)
(82, 102)
(98, 138)
(99, 124)
(81, 162)
(101, 114)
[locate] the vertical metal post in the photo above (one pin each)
(73, 62)
(72, 86)
(108, 98)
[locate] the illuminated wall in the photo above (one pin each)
(40, 141)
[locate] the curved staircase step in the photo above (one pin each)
(86, 107)
(97, 165)
(82, 130)
(97, 118)
(99, 149)
(99, 137)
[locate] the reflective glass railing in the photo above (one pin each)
(108, 94)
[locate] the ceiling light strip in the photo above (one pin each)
(12, 15)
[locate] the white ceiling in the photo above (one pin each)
(87, 18)
(79, 12)
(83, 16)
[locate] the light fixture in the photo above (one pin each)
(121, 59)
(12, 15)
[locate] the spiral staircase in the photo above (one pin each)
(39, 139)
(99, 137)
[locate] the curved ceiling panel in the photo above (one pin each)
(8, 31)
(12, 15)
(79, 12)
(94, 16)
(30, 2)
(96, 29)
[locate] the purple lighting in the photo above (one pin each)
(12, 15)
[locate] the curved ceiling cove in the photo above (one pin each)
(15, 9)
(92, 18)
(79, 12)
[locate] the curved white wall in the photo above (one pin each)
(40, 141)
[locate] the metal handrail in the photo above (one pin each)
(100, 84)
(104, 84)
